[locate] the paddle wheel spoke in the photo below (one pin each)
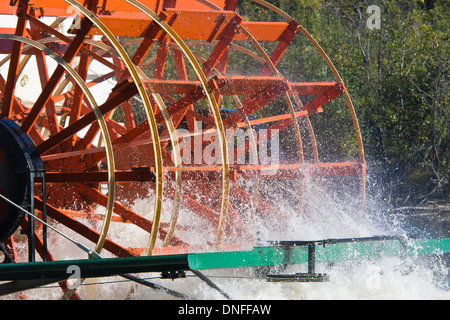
(14, 63)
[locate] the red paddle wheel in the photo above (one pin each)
(158, 127)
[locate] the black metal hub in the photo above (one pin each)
(19, 159)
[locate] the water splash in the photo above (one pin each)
(327, 216)
(416, 277)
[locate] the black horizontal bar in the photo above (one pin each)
(92, 268)
(294, 243)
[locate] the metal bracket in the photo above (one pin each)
(173, 275)
(34, 175)
(311, 275)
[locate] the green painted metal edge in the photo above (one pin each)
(430, 246)
(380, 249)
(262, 256)
(259, 256)
(266, 256)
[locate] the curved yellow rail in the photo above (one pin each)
(177, 161)
(151, 120)
(298, 136)
(100, 119)
(214, 108)
(338, 79)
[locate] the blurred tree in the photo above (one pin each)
(397, 75)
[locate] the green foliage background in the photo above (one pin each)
(397, 76)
